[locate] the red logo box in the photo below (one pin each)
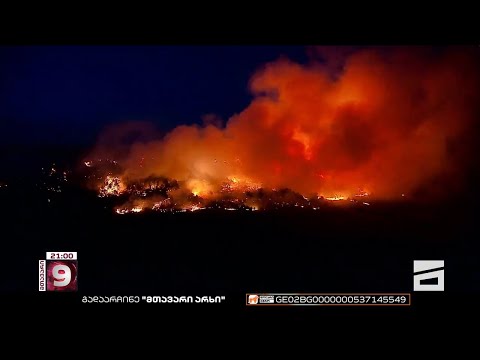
(62, 275)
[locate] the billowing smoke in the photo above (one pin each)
(386, 122)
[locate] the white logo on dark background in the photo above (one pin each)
(428, 275)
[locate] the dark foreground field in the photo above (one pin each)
(335, 249)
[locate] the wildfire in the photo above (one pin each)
(194, 208)
(335, 198)
(386, 123)
(112, 186)
(362, 193)
(234, 193)
(235, 183)
(135, 209)
(199, 187)
(162, 204)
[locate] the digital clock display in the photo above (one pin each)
(61, 255)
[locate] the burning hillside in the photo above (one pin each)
(389, 123)
(166, 195)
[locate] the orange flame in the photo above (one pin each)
(388, 123)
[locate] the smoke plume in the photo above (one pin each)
(388, 122)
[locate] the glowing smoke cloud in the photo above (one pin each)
(387, 123)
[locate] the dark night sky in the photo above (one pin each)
(67, 94)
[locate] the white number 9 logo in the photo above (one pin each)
(61, 279)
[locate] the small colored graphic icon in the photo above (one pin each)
(62, 275)
(58, 272)
(253, 299)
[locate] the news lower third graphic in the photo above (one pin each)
(429, 275)
(58, 272)
(303, 299)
